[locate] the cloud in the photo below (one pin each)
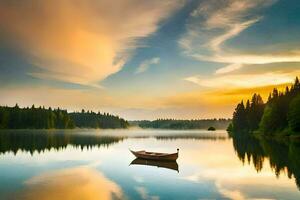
(223, 92)
(217, 100)
(219, 22)
(214, 23)
(144, 66)
(241, 60)
(229, 68)
(244, 80)
(80, 41)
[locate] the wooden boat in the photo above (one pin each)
(156, 156)
(156, 163)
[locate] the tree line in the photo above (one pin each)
(183, 124)
(48, 118)
(280, 115)
(97, 120)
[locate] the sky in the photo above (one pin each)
(141, 59)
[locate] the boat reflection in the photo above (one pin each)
(163, 164)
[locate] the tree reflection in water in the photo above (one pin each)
(283, 156)
(39, 141)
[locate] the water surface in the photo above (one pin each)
(96, 164)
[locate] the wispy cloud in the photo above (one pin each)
(84, 41)
(237, 61)
(214, 23)
(229, 68)
(244, 80)
(144, 66)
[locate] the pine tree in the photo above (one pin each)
(239, 121)
(294, 115)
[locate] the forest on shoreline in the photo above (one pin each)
(48, 118)
(43, 118)
(279, 116)
(176, 124)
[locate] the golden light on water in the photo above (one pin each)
(75, 183)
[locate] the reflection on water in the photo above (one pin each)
(76, 183)
(93, 164)
(283, 157)
(164, 164)
(192, 136)
(41, 140)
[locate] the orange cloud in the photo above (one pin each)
(83, 41)
(220, 99)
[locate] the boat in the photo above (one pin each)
(156, 163)
(155, 155)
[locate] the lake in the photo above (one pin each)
(97, 164)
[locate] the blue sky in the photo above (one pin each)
(147, 59)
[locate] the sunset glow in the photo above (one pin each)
(147, 59)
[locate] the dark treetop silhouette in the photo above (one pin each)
(42, 118)
(255, 125)
(280, 116)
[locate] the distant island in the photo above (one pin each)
(183, 124)
(48, 118)
(279, 116)
(211, 128)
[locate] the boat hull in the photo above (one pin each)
(155, 156)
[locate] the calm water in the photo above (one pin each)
(96, 164)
